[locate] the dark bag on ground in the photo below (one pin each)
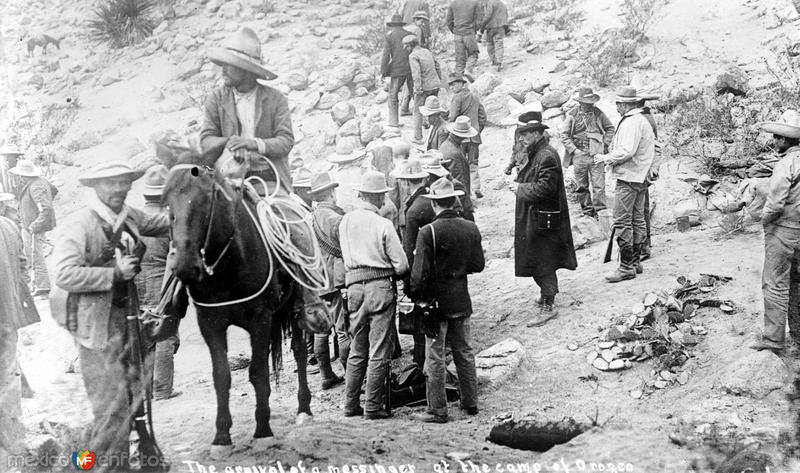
(408, 388)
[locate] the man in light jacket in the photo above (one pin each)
(781, 220)
(94, 261)
(373, 259)
(630, 159)
(465, 103)
(425, 79)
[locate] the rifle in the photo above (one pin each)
(610, 247)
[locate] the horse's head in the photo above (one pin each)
(191, 193)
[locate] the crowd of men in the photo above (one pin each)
(412, 236)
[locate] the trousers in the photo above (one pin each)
(794, 298)
(372, 307)
(419, 100)
(780, 243)
(494, 44)
(395, 86)
(33, 244)
(548, 284)
(455, 332)
(590, 175)
(164, 368)
(472, 153)
(335, 304)
(466, 53)
(629, 218)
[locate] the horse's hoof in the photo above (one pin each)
(263, 443)
(221, 452)
(303, 418)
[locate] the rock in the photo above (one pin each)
(382, 97)
(518, 88)
(344, 92)
(552, 113)
(499, 362)
(485, 84)
(496, 105)
(230, 10)
(561, 46)
(754, 374)
(340, 76)
(108, 79)
(297, 79)
(350, 128)
(325, 44)
(213, 6)
(371, 129)
(458, 456)
(309, 101)
(733, 81)
(585, 231)
(560, 67)
(189, 69)
(361, 92)
(87, 140)
(37, 81)
(554, 99)
(127, 146)
(328, 100)
(319, 31)
(343, 112)
(670, 198)
(347, 144)
(539, 87)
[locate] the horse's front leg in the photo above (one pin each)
(216, 339)
(301, 359)
(259, 378)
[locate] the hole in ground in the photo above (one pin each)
(536, 435)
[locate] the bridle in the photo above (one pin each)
(209, 268)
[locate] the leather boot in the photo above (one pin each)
(626, 269)
(547, 312)
(329, 377)
(637, 258)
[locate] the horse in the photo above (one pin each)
(222, 258)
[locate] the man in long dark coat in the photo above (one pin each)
(542, 234)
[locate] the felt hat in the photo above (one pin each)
(107, 170)
(411, 169)
(627, 95)
(242, 50)
(338, 158)
(462, 127)
(14, 150)
(26, 168)
(373, 182)
(788, 125)
(154, 179)
(421, 14)
(6, 196)
(432, 163)
(586, 95)
(432, 105)
(455, 77)
(301, 178)
(321, 182)
(442, 189)
(410, 39)
(395, 20)
(530, 121)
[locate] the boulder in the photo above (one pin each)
(297, 79)
(554, 99)
(328, 100)
(340, 76)
(347, 144)
(37, 81)
(361, 92)
(230, 10)
(188, 69)
(496, 105)
(531, 97)
(670, 198)
(213, 6)
(518, 88)
(561, 46)
(498, 363)
(343, 112)
(371, 129)
(350, 128)
(382, 97)
(108, 79)
(585, 231)
(485, 84)
(344, 92)
(539, 86)
(733, 81)
(754, 374)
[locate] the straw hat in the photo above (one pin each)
(107, 170)
(432, 105)
(322, 181)
(627, 95)
(395, 20)
(442, 189)
(462, 127)
(242, 50)
(410, 39)
(6, 196)
(432, 164)
(411, 169)
(788, 125)
(301, 179)
(373, 182)
(26, 168)
(530, 121)
(13, 150)
(337, 158)
(154, 179)
(586, 95)
(421, 14)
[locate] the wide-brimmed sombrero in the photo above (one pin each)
(242, 50)
(788, 125)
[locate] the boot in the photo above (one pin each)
(637, 258)
(627, 269)
(329, 377)
(547, 311)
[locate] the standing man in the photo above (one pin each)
(425, 79)
(13, 274)
(422, 28)
(495, 27)
(432, 164)
(453, 156)
(412, 7)
(95, 258)
(9, 155)
(466, 103)
(418, 214)
(630, 159)
(435, 114)
(326, 219)
(542, 233)
(395, 66)
(781, 220)
(447, 250)
(652, 176)
(463, 19)
(151, 279)
(373, 258)
(401, 150)
(587, 132)
(35, 196)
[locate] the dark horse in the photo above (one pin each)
(223, 260)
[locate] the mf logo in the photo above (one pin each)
(83, 459)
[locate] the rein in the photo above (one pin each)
(209, 269)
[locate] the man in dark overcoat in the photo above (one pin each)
(542, 234)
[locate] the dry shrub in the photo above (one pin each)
(563, 15)
(370, 40)
(603, 55)
(121, 23)
(637, 16)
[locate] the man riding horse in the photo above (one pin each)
(251, 123)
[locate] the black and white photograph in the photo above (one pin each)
(400, 236)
